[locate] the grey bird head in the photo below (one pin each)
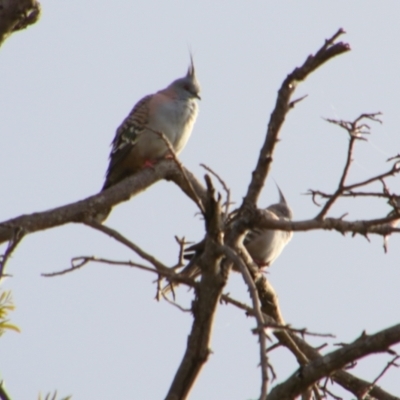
(188, 86)
(266, 245)
(263, 245)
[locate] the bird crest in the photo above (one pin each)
(191, 73)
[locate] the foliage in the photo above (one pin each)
(6, 305)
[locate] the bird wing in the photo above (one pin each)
(191, 270)
(126, 138)
(255, 233)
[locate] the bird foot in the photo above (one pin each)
(261, 264)
(149, 164)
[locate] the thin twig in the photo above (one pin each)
(269, 322)
(335, 361)
(79, 262)
(79, 211)
(180, 166)
(301, 331)
(396, 157)
(182, 243)
(347, 194)
(173, 303)
(316, 392)
(391, 363)
(258, 315)
(122, 239)
(340, 188)
(273, 347)
(334, 396)
(181, 262)
(355, 131)
(225, 187)
(393, 171)
(273, 373)
(283, 105)
(12, 245)
(293, 103)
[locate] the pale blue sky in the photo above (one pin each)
(67, 83)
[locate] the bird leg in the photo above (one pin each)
(149, 164)
(261, 264)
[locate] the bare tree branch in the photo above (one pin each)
(175, 304)
(224, 238)
(167, 169)
(12, 245)
(181, 168)
(120, 238)
(391, 363)
(224, 186)
(205, 304)
(83, 210)
(348, 381)
(300, 349)
(376, 226)
(80, 262)
(336, 360)
(304, 352)
(258, 316)
(355, 130)
(359, 386)
(329, 50)
(182, 244)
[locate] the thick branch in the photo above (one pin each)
(83, 210)
(198, 346)
(256, 219)
(359, 387)
(343, 378)
(336, 360)
(205, 304)
(302, 350)
(257, 313)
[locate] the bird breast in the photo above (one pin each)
(267, 245)
(176, 120)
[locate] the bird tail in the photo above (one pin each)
(192, 269)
